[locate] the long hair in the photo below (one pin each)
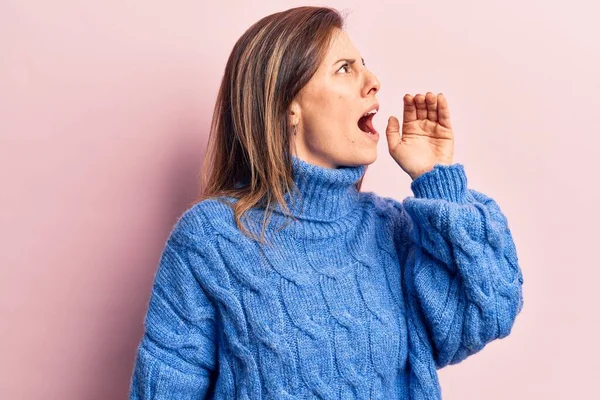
(248, 154)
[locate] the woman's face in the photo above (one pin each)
(327, 110)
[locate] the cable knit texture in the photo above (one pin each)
(363, 297)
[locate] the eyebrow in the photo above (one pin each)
(349, 60)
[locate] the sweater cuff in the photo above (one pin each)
(448, 182)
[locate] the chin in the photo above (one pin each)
(362, 157)
(369, 159)
(369, 155)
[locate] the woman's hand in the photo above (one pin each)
(427, 137)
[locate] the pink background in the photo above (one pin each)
(104, 115)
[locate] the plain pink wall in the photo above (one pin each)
(104, 115)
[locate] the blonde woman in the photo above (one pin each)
(284, 280)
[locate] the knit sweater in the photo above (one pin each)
(362, 297)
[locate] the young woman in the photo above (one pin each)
(284, 281)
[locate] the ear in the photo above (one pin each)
(294, 113)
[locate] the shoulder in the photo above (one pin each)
(383, 206)
(197, 237)
(391, 211)
(208, 219)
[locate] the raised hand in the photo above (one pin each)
(427, 137)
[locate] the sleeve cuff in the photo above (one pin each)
(448, 182)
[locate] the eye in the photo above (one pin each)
(346, 66)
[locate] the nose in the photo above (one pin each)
(372, 84)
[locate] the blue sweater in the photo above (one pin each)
(362, 297)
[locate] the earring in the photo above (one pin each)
(295, 130)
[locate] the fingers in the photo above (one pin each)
(392, 132)
(428, 106)
(416, 107)
(443, 112)
(421, 106)
(410, 111)
(431, 106)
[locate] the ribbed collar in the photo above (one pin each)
(324, 194)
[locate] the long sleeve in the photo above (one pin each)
(460, 267)
(176, 355)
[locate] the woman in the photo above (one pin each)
(285, 281)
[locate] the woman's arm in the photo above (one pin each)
(461, 276)
(176, 355)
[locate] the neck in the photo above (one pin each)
(323, 194)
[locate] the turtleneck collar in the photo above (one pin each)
(324, 194)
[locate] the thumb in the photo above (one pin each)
(392, 132)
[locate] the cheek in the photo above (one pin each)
(334, 118)
(338, 109)
(334, 109)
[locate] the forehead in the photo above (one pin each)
(341, 46)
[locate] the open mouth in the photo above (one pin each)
(365, 123)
